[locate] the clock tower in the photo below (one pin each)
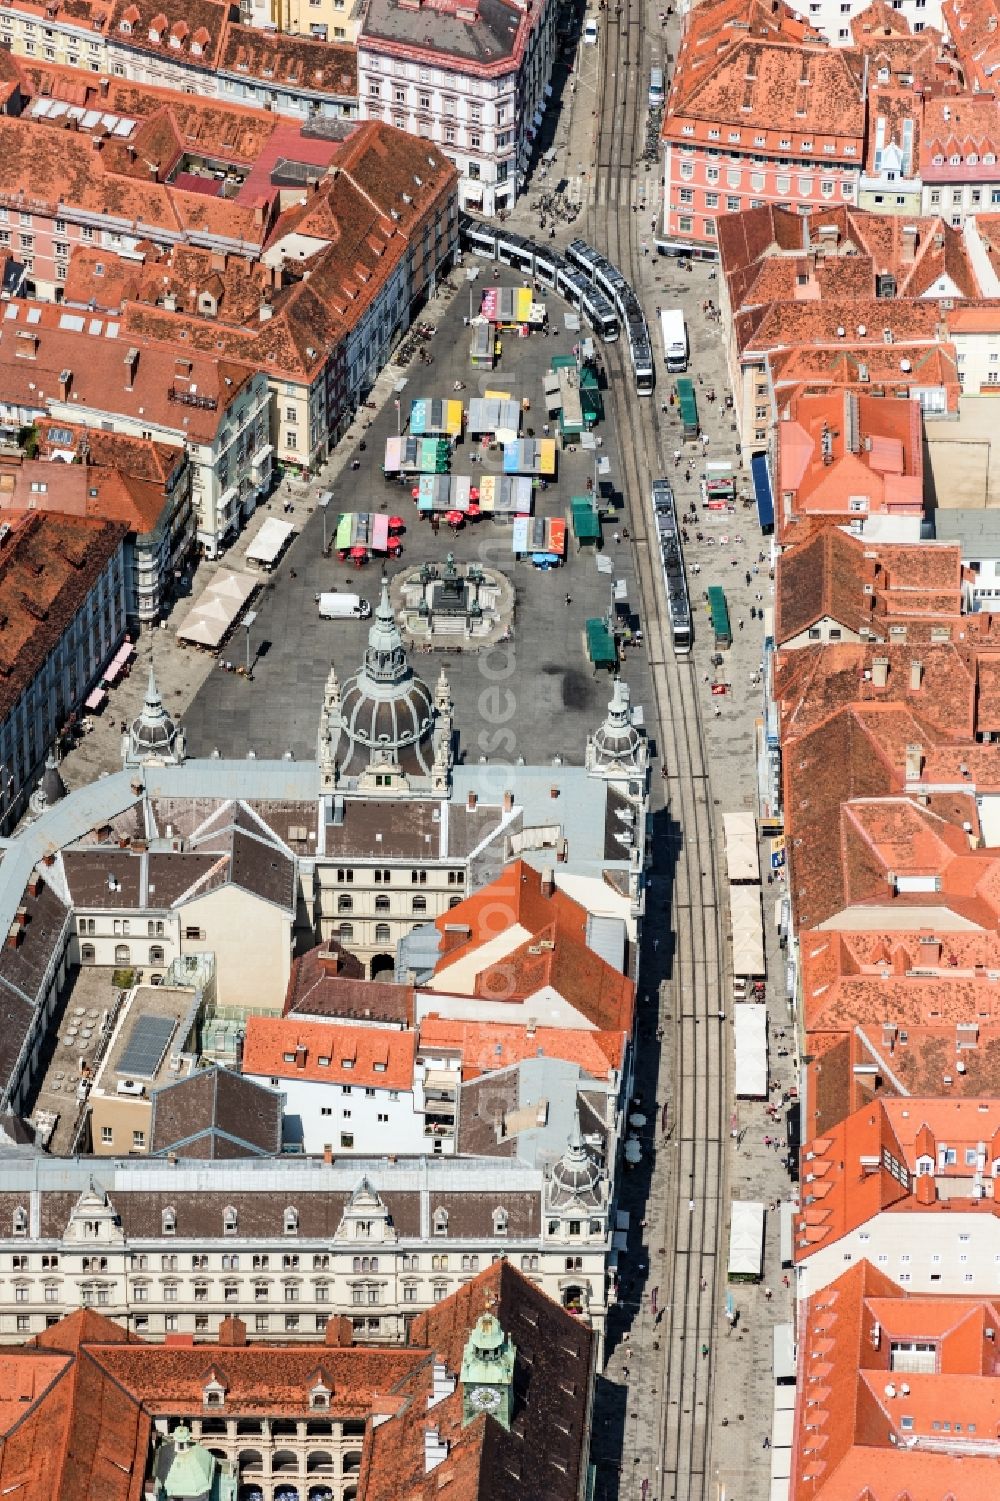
(488, 1373)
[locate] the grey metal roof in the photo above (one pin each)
(280, 1174)
(486, 40)
(978, 531)
(606, 936)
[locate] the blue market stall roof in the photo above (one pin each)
(762, 490)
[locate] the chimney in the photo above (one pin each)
(65, 381)
(508, 801)
(105, 85)
(914, 762)
(329, 960)
(880, 672)
(339, 1332)
(328, 1153)
(301, 1054)
(930, 949)
(265, 311)
(35, 883)
(548, 881)
(553, 793)
(232, 1331)
(926, 1192)
(14, 936)
(909, 247)
(131, 363)
(916, 674)
(471, 801)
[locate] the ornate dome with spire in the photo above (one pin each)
(617, 742)
(577, 1176)
(385, 713)
(51, 787)
(152, 736)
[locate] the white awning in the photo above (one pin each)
(742, 853)
(748, 931)
(262, 455)
(217, 609)
(783, 1364)
(270, 541)
(750, 1028)
(746, 1239)
(786, 1211)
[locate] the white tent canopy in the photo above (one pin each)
(742, 851)
(270, 541)
(748, 931)
(215, 612)
(783, 1365)
(746, 1240)
(750, 1027)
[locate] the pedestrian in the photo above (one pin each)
(767, 1141)
(704, 1284)
(616, 537)
(704, 1351)
(569, 600)
(785, 1282)
(742, 624)
(691, 1205)
(748, 578)
(768, 1294)
(767, 1442)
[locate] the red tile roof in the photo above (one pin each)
(556, 953)
(485, 1046)
(865, 1431)
(328, 1052)
(86, 1394)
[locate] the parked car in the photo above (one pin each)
(590, 34)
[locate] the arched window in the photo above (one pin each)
(440, 1222)
(229, 1220)
(499, 1221)
(20, 1220)
(420, 904)
(168, 1220)
(345, 903)
(156, 954)
(291, 1221)
(381, 904)
(346, 932)
(88, 953)
(382, 932)
(122, 954)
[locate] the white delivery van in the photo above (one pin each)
(655, 88)
(343, 607)
(590, 34)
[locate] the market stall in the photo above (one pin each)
(482, 347)
(601, 648)
(535, 456)
(434, 493)
(361, 530)
(411, 455)
(750, 1033)
(431, 417)
(506, 495)
(497, 416)
(543, 538)
(510, 307)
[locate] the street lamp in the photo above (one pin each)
(323, 503)
(248, 620)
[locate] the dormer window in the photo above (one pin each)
(973, 158)
(499, 1222)
(168, 1220)
(319, 1399)
(291, 1221)
(230, 1220)
(125, 27)
(440, 1222)
(154, 36)
(213, 1397)
(883, 75)
(20, 1221)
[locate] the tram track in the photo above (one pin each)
(684, 887)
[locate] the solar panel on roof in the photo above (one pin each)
(148, 1041)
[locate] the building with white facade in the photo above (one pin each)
(174, 1247)
(909, 1185)
(471, 76)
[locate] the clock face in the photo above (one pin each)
(484, 1399)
